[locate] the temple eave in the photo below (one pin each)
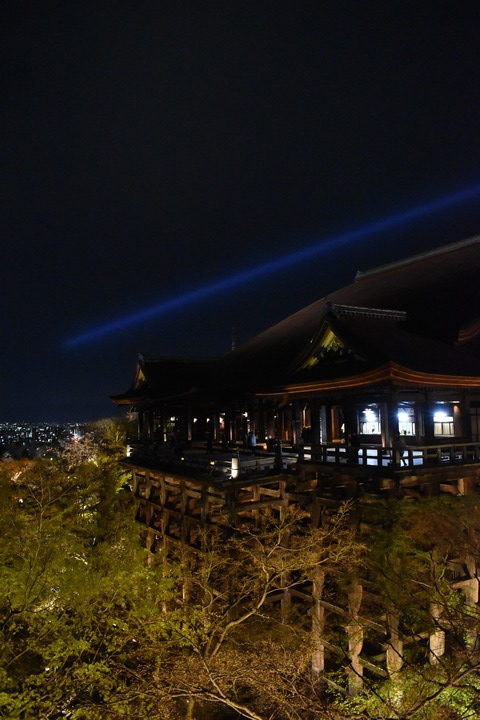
(390, 372)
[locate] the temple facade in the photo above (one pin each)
(381, 374)
(374, 389)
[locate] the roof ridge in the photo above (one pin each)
(451, 247)
(145, 359)
(370, 312)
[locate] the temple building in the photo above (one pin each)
(383, 373)
(374, 389)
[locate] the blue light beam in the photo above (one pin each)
(274, 266)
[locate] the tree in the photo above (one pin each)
(90, 630)
(230, 645)
(423, 564)
(71, 570)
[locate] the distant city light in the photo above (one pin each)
(41, 439)
(269, 268)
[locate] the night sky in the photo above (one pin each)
(152, 147)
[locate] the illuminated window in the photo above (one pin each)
(443, 421)
(406, 420)
(369, 420)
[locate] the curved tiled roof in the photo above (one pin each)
(435, 298)
(438, 291)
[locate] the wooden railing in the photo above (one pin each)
(389, 457)
(229, 463)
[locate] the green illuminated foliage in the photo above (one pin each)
(92, 628)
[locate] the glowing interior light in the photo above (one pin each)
(403, 416)
(245, 414)
(281, 263)
(439, 415)
(172, 419)
(369, 414)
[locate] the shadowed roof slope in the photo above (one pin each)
(438, 290)
(421, 312)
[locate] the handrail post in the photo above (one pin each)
(395, 455)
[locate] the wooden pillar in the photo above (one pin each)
(258, 420)
(318, 623)
(159, 420)
(335, 422)
(255, 414)
(148, 514)
(187, 586)
(428, 420)
(468, 418)
(323, 424)
(255, 499)
(460, 417)
(354, 632)
(471, 590)
(270, 420)
(329, 425)
(283, 423)
(389, 411)
(188, 424)
(163, 491)
(148, 485)
(286, 601)
(228, 426)
(419, 421)
(149, 540)
(150, 424)
(394, 643)
(296, 422)
(164, 526)
(141, 423)
(350, 417)
(183, 510)
(233, 426)
(315, 420)
(135, 480)
(213, 427)
(466, 485)
(436, 640)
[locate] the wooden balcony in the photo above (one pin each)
(217, 462)
(408, 458)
